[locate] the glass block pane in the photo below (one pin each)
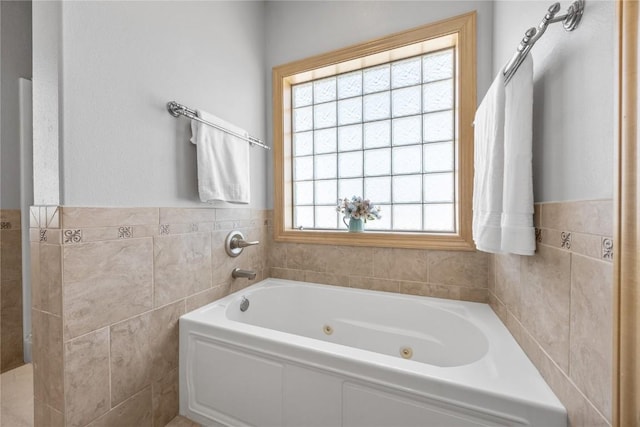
(438, 126)
(377, 134)
(324, 90)
(303, 217)
(406, 102)
(325, 141)
(437, 96)
(325, 166)
(302, 119)
(378, 190)
(324, 115)
(407, 217)
(407, 159)
(406, 73)
(326, 217)
(326, 192)
(303, 193)
(383, 223)
(302, 95)
(438, 187)
(303, 168)
(407, 130)
(407, 188)
(377, 162)
(349, 187)
(350, 164)
(350, 137)
(438, 157)
(303, 143)
(376, 79)
(439, 218)
(376, 106)
(437, 66)
(350, 111)
(350, 85)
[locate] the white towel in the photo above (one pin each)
(223, 161)
(503, 190)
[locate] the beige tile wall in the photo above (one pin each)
(455, 275)
(11, 345)
(109, 287)
(558, 304)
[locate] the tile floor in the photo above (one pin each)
(16, 400)
(16, 397)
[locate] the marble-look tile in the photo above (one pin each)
(205, 297)
(164, 340)
(14, 216)
(545, 288)
(11, 350)
(537, 215)
(105, 282)
(77, 217)
(187, 215)
(498, 307)
(586, 244)
(165, 398)
(47, 294)
(307, 257)
(444, 291)
(136, 411)
(86, 377)
(590, 360)
(277, 254)
(130, 357)
(491, 273)
(11, 255)
(233, 214)
(287, 274)
(400, 264)
(326, 278)
(374, 284)
(47, 359)
(592, 216)
(16, 397)
(508, 285)
(579, 410)
(182, 266)
(350, 260)
(221, 264)
(46, 416)
(467, 269)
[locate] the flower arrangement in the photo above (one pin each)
(358, 208)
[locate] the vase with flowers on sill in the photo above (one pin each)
(356, 212)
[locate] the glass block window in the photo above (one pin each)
(386, 133)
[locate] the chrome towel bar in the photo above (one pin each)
(176, 110)
(570, 21)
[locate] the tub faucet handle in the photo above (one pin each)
(237, 242)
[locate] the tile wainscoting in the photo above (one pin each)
(11, 332)
(558, 304)
(109, 285)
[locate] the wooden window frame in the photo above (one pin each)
(459, 30)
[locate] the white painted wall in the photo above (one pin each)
(574, 97)
(296, 30)
(122, 62)
(47, 133)
(15, 49)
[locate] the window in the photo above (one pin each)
(389, 120)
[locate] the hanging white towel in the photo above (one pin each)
(518, 234)
(223, 161)
(503, 185)
(489, 168)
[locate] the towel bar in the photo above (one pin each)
(176, 110)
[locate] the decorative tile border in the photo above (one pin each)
(125, 232)
(72, 236)
(43, 234)
(164, 229)
(607, 248)
(5, 225)
(565, 237)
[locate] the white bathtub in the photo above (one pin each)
(307, 355)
